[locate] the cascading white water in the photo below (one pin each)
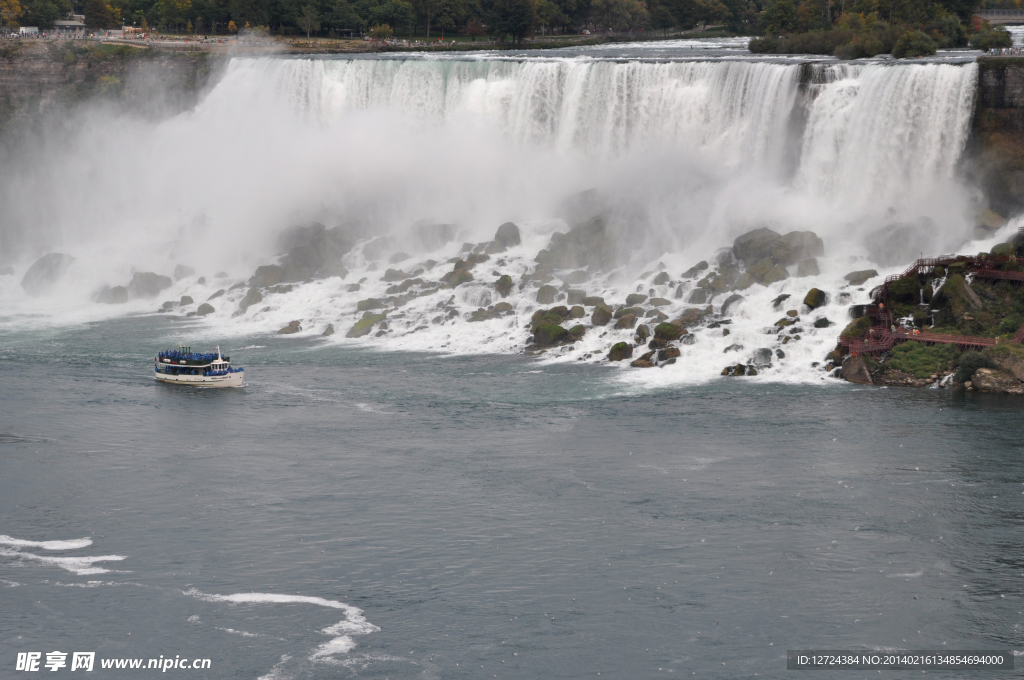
(693, 152)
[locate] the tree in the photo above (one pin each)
(516, 18)
(428, 9)
(475, 29)
(98, 15)
(381, 32)
(10, 12)
(778, 17)
(913, 44)
(309, 20)
(991, 38)
(252, 12)
(662, 19)
(713, 11)
(232, 28)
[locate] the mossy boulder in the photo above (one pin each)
(745, 280)
(601, 316)
(755, 245)
(459, 277)
(507, 235)
(266, 275)
(815, 298)
(546, 294)
(857, 328)
(546, 316)
(575, 297)
(369, 304)
(1003, 249)
(503, 308)
(292, 327)
(643, 332)
(365, 325)
(620, 351)
(549, 334)
(392, 275)
(577, 312)
(634, 299)
(695, 270)
(761, 268)
(593, 301)
(659, 302)
(329, 330)
(623, 311)
(504, 285)
(661, 279)
(667, 332)
(577, 332)
(204, 309)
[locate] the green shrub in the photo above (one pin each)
(919, 360)
(969, 363)
(1009, 325)
(991, 38)
(857, 328)
(913, 44)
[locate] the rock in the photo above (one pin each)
(808, 267)
(576, 277)
(170, 304)
(668, 353)
(730, 302)
(1011, 363)
(204, 309)
(661, 279)
(625, 321)
(691, 317)
(746, 280)
(667, 332)
(576, 297)
(252, 297)
(823, 322)
(504, 285)
(761, 268)
(365, 325)
(622, 311)
(577, 312)
(643, 332)
(659, 302)
(857, 311)
(181, 272)
(398, 257)
(859, 278)
(620, 351)
(546, 294)
(217, 294)
(588, 244)
(642, 362)
(392, 275)
(112, 296)
(698, 296)
(656, 315)
(755, 245)
(991, 380)
(185, 300)
(265, 276)
(503, 308)
(762, 357)
(971, 297)
(594, 301)
(201, 280)
(796, 246)
(548, 334)
(577, 332)
(855, 370)
(815, 298)
(147, 284)
(777, 302)
(777, 274)
(634, 299)
(292, 327)
(733, 348)
(369, 304)
(601, 316)
(352, 288)
(457, 277)
(329, 330)
(45, 272)
(695, 270)
(508, 235)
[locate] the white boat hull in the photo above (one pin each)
(229, 380)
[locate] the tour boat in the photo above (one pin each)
(182, 366)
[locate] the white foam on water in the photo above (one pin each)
(916, 574)
(72, 544)
(9, 584)
(353, 624)
(239, 632)
(82, 566)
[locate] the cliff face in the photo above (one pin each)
(38, 75)
(996, 155)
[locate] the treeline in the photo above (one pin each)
(429, 18)
(850, 29)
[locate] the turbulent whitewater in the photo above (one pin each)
(681, 157)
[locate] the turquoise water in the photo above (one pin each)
(490, 516)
